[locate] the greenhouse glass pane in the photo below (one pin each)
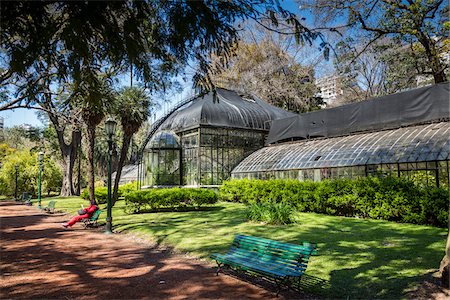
(409, 144)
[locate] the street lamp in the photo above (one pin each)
(110, 127)
(40, 158)
(16, 166)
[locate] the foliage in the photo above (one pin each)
(127, 188)
(267, 70)
(5, 150)
(271, 213)
(132, 109)
(65, 41)
(28, 170)
(173, 198)
(18, 138)
(101, 192)
(389, 198)
(421, 24)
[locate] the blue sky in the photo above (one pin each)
(20, 116)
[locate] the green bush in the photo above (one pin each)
(271, 213)
(27, 175)
(388, 198)
(101, 193)
(126, 188)
(173, 198)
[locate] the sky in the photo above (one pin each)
(20, 116)
(28, 116)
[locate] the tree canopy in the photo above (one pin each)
(423, 23)
(265, 68)
(71, 41)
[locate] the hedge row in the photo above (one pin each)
(101, 193)
(172, 198)
(389, 198)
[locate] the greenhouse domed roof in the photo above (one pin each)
(227, 109)
(164, 140)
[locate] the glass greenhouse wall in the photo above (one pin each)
(207, 156)
(420, 153)
(162, 160)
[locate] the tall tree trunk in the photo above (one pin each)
(123, 155)
(78, 188)
(67, 187)
(90, 157)
(68, 153)
(433, 58)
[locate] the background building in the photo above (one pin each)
(330, 88)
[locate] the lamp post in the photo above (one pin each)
(40, 158)
(16, 166)
(110, 127)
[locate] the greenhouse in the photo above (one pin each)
(405, 134)
(201, 142)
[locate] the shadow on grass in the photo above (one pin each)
(357, 258)
(179, 209)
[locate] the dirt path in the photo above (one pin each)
(40, 259)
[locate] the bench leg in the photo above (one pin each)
(219, 268)
(278, 287)
(280, 283)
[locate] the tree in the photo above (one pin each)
(28, 173)
(65, 119)
(95, 99)
(133, 109)
(60, 40)
(385, 67)
(264, 68)
(424, 22)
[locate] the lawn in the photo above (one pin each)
(358, 258)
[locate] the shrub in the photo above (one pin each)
(271, 213)
(173, 198)
(388, 198)
(101, 194)
(126, 188)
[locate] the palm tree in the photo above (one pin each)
(95, 98)
(133, 109)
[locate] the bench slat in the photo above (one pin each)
(255, 266)
(266, 260)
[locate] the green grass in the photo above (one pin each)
(358, 258)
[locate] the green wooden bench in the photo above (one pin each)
(282, 262)
(26, 198)
(92, 221)
(50, 207)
